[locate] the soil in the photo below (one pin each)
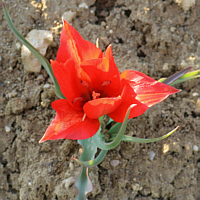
(155, 37)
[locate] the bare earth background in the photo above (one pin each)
(155, 37)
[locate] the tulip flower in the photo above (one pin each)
(93, 87)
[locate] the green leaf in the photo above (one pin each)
(127, 138)
(83, 183)
(188, 76)
(41, 58)
(175, 76)
(180, 77)
(107, 146)
(115, 128)
(94, 162)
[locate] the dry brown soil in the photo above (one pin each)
(155, 37)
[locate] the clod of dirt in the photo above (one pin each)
(15, 106)
(40, 39)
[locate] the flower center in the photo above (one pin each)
(95, 95)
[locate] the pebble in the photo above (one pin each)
(46, 86)
(185, 4)
(40, 39)
(40, 78)
(18, 46)
(195, 94)
(151, 155)
(7, 129)
(165, 67)
(136, 187)
(114, 163)
(111, 31)
(195, 148)
(83, 5)
(71, 166)
(69, 16)
(172, 29)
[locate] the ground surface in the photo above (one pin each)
(155, 37)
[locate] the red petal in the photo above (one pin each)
(148, 90)
(128, 98)
(104, 75)
(99, 107)
(68, 124)
(70, 84)
(75, 47)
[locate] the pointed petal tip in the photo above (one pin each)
(63, 20)
(42, 140)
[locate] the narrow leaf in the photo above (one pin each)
(107, 146)
(94, 162)
(115, 128)
(41, 58)
(175, 76)
(127, 138)
(187, 77)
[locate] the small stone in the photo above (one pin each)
(103, 23)
(165, 67)
(195, 94)
(46, 86)
(7, 129)
(136, 187)
(40, 39)
(69, 16)
(43, 104)
(83, 5)
(195, 148)
(172, 29)
(71, 166)
(40, 78)
(185, 4)
(18, 46)
(111, 31)
(114, 163)
(151, 155)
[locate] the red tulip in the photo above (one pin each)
(93, 87)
